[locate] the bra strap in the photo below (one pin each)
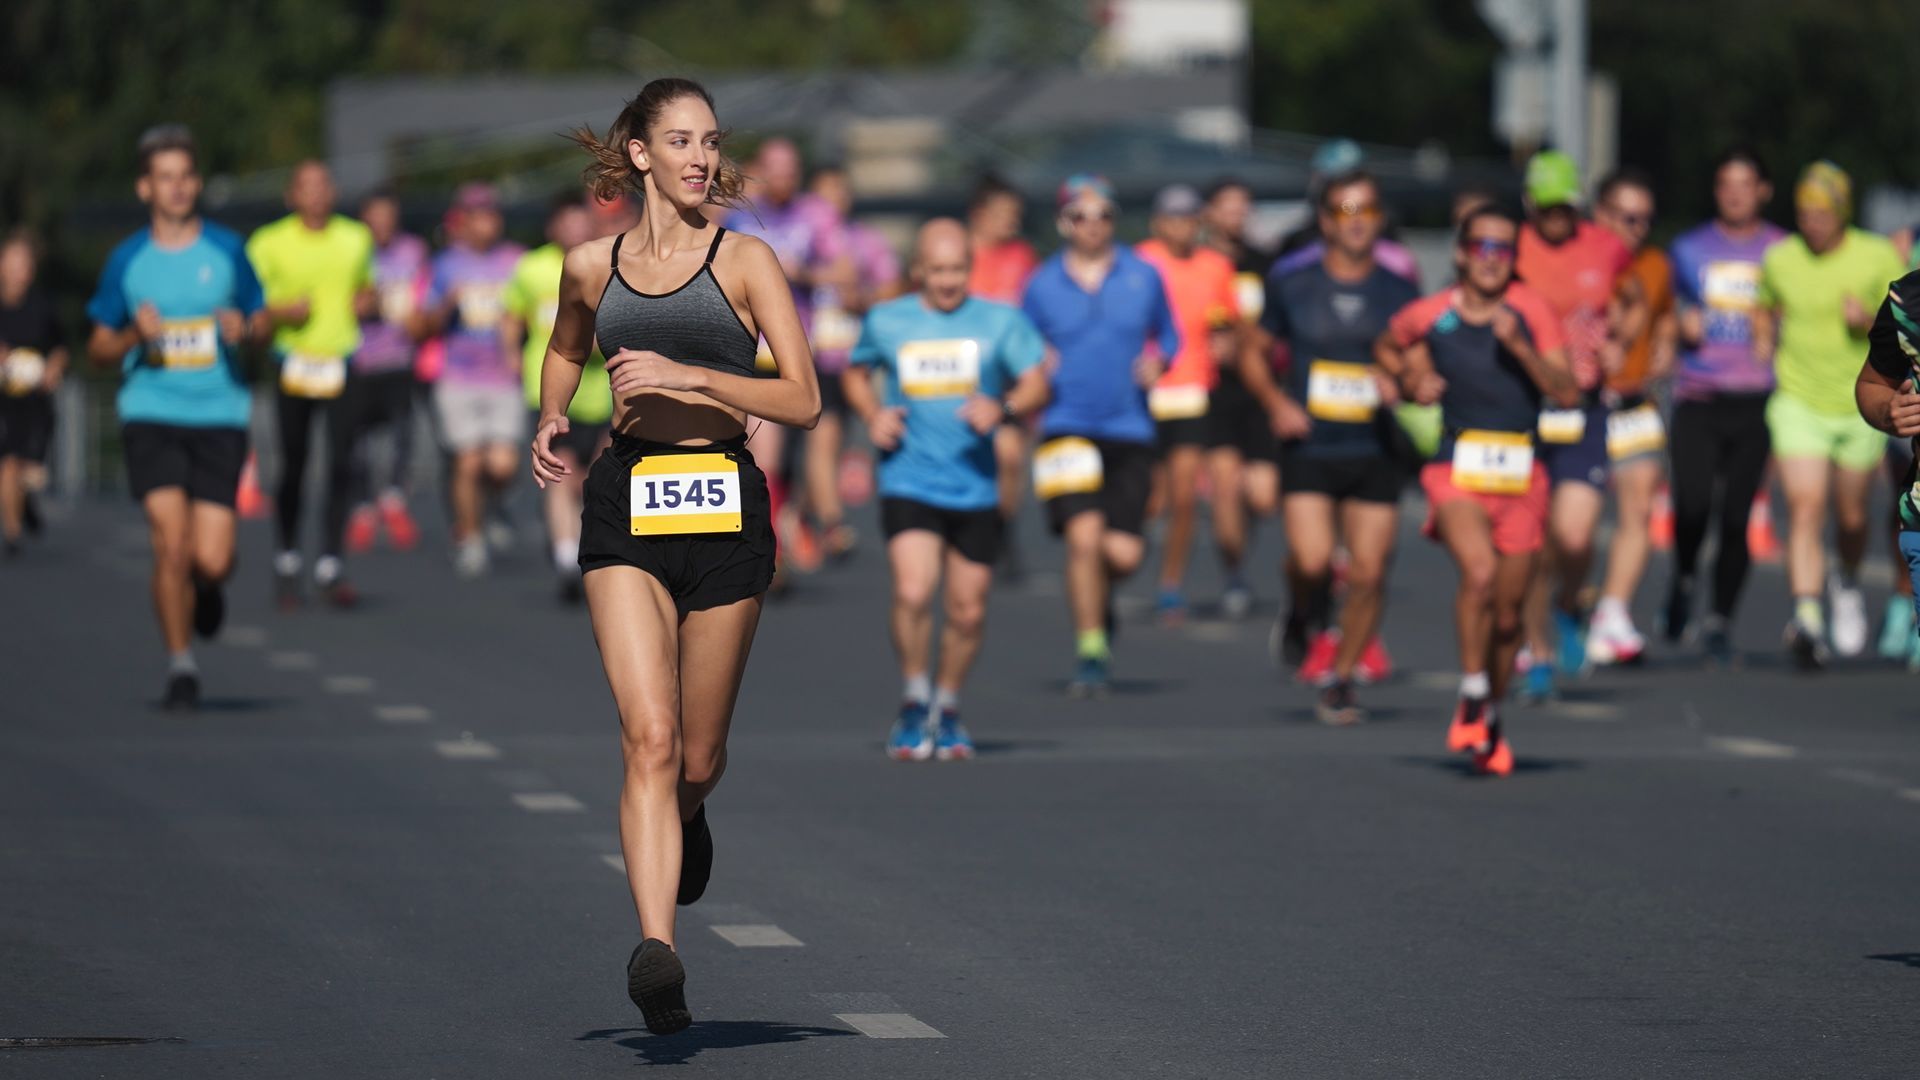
(615, 261)
(718, 232)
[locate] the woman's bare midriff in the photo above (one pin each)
(679, 417)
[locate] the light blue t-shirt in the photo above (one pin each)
(933, 360)
(1099, 335)
(193, 378)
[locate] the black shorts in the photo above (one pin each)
(1126, 481)
(206, 462)
(26, 427)
(833, 396)
(1377, 479)
(1196, 431)
(1238, 421)
(975, 534)
(700, 570)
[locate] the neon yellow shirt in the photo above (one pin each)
(1818, 357)
(533, 296)
(325, 267)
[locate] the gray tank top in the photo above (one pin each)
(693, 324)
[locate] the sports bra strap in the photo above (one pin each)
(718, 232)
(615, 261)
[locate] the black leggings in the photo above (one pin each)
(296, 438)
(372, 402)
(1720, 440)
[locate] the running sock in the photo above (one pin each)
(1806, 612)
(1092, 645)
(287, 564)
(566, 555)
(1611, 611)
(1476, 685)
(181, 663)
(326, 569)
(919, 688)
(945, 700)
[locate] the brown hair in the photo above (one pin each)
(159, 140)
(612, 173)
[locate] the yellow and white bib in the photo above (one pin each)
(683, 494)
(1493, 462)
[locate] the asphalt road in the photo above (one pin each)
(382, 850)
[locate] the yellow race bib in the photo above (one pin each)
(1187, 402)
(396, 302)
(1493, 462)
(942, 368)
(682, 494)
(26, 372)
(1563, 427)
(481, 306)
(188, 344)
(1635, 431)
(1341, 392)
(318, 378)
(1731, 286)
(1068, 466)
(834, 330)
(1251, 292)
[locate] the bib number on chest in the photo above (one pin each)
(682, 494)
(1635, 431)
(396, 302)
(480, 307)
(1187, 402)
(1069, 466)
(1493, 462)
(1563, 427)
(1731, 286)
(932, 369)
(834, 330)
(1251, 293)
(320, 378)
(26, 371)
(188, 344)
(1343, 393)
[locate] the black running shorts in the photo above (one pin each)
(975, 534)
(205, 462)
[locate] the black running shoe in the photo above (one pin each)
(1293, 640)
(1715, 643)
(209, 608)
(696, 857)
(1808, 651)
(1337, 707)
(30, 514)
(183, 691)
(1673, 621)
(657, 984)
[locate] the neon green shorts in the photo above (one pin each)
(1801, 432)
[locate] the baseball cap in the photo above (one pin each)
(1082, 184)
(1176, 200)
(1553, 180)
(1336, 156)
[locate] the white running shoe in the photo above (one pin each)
(1614, 641)
(470, 558)
(1849, 610)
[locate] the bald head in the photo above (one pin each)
(310, 191)
(942, 258)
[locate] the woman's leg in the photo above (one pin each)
(713, 656)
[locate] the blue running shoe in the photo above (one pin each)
(911, 740)
(951, 742)
(1571, 631)
(1169, 607)
(1539, 685)
(1089, 679)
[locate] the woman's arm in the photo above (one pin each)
(567, 352)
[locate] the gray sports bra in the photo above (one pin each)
(693, 324)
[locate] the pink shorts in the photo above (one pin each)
(1519, 521)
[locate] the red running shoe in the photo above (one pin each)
(1374, 665)
(362, 527)
(1496, 758)
(402, 533)
(1470, 725)
(1318, 665)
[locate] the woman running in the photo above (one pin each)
(676, 540)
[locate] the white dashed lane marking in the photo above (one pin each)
(1911, 794)
(548, 802)
(402, 714)
(347, 684)
(467, 750)
(1740, 746)
(292, 661)
(1863, 778)
(761, 936)
(617, 862)
(888, 1026)
(244, 637)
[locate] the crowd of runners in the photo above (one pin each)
(699, 353)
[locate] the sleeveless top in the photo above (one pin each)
(693, 324)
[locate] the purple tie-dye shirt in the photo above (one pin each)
(399, 272)
(801, 234)
(476, 282)
(1721, 276)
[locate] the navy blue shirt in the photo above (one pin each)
(1330, 327)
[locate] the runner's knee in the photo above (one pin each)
(650, 740)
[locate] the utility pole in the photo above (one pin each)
(1570, 79)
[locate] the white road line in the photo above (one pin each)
(1863, 778)
(1911, 794)
(467, 750)
(402, 714)
(1586, 710)
(617, 862)
(1435, 680)
(762, 936)
(347, 684)
(888, 1026)
(1213, 632)
(548, 802)
(243, 637)
(292, 661)
(1740, 746)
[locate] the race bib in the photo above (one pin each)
(1635, 431)
(946, 368)
(319, 378)
(481, 306)
(763, 357)
(1251, 292)
(396, 302)
(834, 330)
(682, 494)
(1187, 402)
(1344, 393)
(188, 344)
(1563, 427)
(1493, 462)
(1069, 466)
(26, 372)
(1731, 286)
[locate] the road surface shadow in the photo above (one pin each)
(707, 1035)
(226, 705)
(1382, 715)
(1910, 959)
(1521, 765)
(1118, 687)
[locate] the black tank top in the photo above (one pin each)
(693, 324)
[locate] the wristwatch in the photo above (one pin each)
(1006, 412)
